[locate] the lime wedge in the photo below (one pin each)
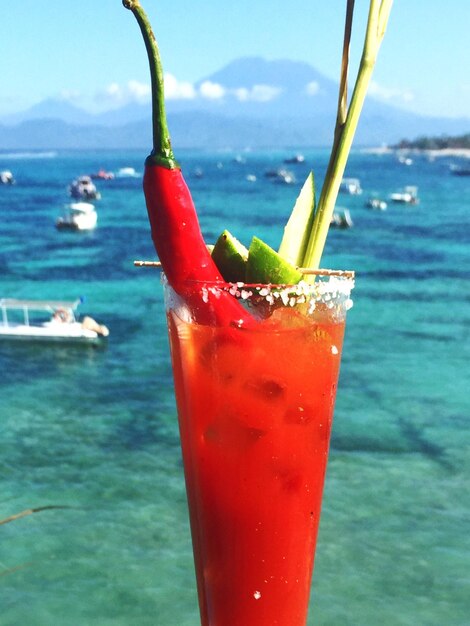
(230, 256)
(265, 265)
(297, 230)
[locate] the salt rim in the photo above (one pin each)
(332, 292)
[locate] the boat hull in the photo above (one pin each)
(71, 333)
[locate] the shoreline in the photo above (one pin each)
(463, 153)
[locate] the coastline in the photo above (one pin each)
(463, 153)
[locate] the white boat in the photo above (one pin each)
(377, 204)
(408, 195)
(126, 172)
(83, 188)
(77, 216)
(341, 219)
(281, 175)
(351, 186)
(460, 170)
(24, 320)
(405, 160)
(6, 178)
(297, 158)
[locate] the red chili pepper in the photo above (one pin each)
(173, 219)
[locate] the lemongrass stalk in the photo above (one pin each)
(343, 83)
(379, 12)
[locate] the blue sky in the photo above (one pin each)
(90, 51)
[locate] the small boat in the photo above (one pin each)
(83, 188)
(6, 178)
(77, 216)
(24, 320)
(405, 160)
(297, 158)
(281, 175)
(351, 186)
(459, 170)
(126, 172)
(102, 175)
(408, 195)
(377, 204)
(342, 220)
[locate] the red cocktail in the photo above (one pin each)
(255, 410)
(255, 390)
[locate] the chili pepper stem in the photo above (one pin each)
(162, 153)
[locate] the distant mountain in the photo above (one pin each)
(251, 102)
(51, 109)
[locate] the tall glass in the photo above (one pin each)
(255, 407)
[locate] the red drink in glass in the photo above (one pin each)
(255, 409)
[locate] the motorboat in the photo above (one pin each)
(351, 186)
(6, 178)
(26, 320)
(281, 175)
(102, 174)
(297, 158)
(405, 160)
(377, 204)
(460, 170)
(341, 219)
(83, 188)
(126, 172)
(408, 195)
(77, 216)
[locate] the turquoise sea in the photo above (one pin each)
(94, 430)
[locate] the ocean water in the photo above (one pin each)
(93, 432)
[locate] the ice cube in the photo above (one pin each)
(286, 317)
(266, 388)
(229, 431)
(221, 355)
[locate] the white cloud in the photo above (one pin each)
(112, 92)
(264, 93)
(257, 93)
(312, 88)
(178, 90)
(390, 94)
(242, 94)
(115, 94)
(211, 91)
(140, 92)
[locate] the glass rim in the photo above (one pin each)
(331, 283)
